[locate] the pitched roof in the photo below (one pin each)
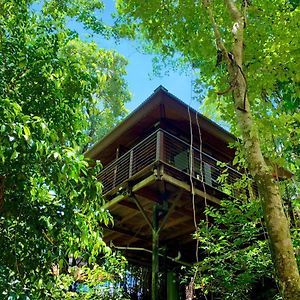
(160, 105)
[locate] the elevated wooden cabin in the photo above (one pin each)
(160, 168)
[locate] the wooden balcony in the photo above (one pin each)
(179, 159)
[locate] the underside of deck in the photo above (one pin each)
(171, 192)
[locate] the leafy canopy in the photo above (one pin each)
(181, 31)
(185, 31)
(54, 88)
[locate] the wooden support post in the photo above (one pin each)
(155, 254)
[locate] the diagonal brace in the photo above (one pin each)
(141, 209)
(170, 210)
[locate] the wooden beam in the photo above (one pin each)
(128, 217)
(132, 240)
(112, 235)
(147, 181)
(187, 187)
(114, 201)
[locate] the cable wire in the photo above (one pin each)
(190, 288)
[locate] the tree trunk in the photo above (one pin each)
(1, 191)
(276, 221)
(274, 215)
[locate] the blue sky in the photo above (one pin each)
(139, 77)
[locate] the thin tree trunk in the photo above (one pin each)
(1, 192)
(274, 215)
(276, 221)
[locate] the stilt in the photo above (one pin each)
(172, 286)
(155, 254)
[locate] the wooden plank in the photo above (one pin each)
(174, 222)
(128, 233)
(186, 230)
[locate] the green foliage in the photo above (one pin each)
(52, 84)
(235, 250)
(184, 31)
(181, 31)
(98, 282)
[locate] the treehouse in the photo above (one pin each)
(160, 168)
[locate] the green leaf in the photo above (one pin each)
(14, 155)
(26, 132)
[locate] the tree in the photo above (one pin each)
(242, 49)
(236, 259)
(50, 198)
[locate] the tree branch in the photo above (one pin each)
(217, 33)
(237, 30)
(234, 11)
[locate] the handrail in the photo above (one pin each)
(145, 153)
(131, 149)
(206, 154)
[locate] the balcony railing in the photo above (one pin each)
(178, 155)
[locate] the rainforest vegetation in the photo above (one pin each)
(59, 94)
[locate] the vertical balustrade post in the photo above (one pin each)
(160, 149)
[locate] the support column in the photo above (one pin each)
(155, 254)
(172, 286)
